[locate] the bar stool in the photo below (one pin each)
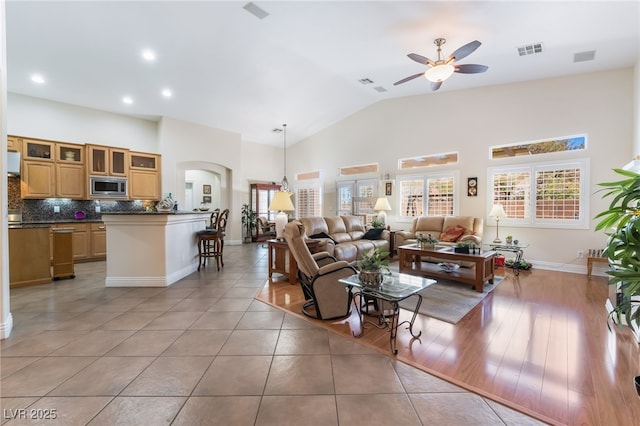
(211, 241)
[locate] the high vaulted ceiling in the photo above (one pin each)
(301, 64)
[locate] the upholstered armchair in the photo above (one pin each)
(318, 275)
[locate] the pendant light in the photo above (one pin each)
(281, 201)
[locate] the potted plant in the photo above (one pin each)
(463, 247)
(509, 239)
(371, 267)
(377, 223)
(621, 222)
(249, 217)
(427, 242)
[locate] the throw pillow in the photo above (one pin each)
(451, 234)
(373, 234)
(322, 235)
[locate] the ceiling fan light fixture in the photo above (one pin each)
(439, 73)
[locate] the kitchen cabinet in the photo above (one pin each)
(14, 144)
(144, 176)
(107, 161)
(98, 239)
(38, 179)
(80, 238)
(29, 256)
(34, 149)
(71, 175)
(51, 170)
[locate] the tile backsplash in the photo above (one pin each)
(43, 210)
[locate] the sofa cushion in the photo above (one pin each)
(354, 227)
(373, 234)
(428, 225)
(314, 225)
(346, 251)
(452, 234)
(337, 229)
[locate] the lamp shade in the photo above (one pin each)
(497, 211)
(281, 202)
(382, 204)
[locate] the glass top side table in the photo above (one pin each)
(518, 249)
(394, 289)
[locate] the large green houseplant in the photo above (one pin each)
(621, 222)
(249, 217)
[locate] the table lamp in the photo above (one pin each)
(497, 211)
(281, 202)
(382, 207)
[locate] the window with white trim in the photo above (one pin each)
(434, 194)
(553, 194)
(309, 201)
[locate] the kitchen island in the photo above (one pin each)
(151, 249)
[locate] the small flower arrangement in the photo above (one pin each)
(374, 260)
(427, 239)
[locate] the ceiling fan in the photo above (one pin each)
(442, 69)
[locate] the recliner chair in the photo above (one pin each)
(318, 275)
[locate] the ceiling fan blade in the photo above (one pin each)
(464, 51)
(436, 86)
(421, 59)
(470, 68)
(404, 80)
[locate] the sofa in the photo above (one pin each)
(449, 230)
(345, 237)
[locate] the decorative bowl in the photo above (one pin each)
(162, 209)
(79, 215)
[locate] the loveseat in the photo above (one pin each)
(344, 237)
(449, 230)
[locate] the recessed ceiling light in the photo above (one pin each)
(149, 55)
(37, 78)
(167, 93)
(127, 100)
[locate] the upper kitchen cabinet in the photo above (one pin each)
(71, 175)
(107, 161)
(14, 144)
(38, 179)
(33, 149)
(144, 176)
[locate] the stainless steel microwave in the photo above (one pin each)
(108, 187)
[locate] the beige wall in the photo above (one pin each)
(471, 121)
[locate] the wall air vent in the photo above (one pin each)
(365, 81)
(530, 49)
(255, 10)
(584, 56)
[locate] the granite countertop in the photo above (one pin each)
(29, 226)
(170, 212)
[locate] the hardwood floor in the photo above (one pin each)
(539, 343)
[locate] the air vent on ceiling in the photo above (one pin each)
(255, 10)
(584, 56)
(530, 49)
(366, 81)
(380, 89)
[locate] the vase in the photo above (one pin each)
(372, 278)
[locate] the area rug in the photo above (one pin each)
(449, 301)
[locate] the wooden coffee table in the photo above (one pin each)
(409, 258)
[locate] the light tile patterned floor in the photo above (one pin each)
(203, 351)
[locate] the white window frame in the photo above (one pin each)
(582, 222)
(425, 177)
